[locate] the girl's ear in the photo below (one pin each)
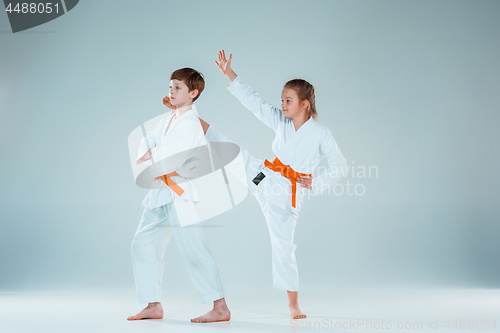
(305, 104)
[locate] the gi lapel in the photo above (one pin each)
(170, 130)
(286, 152)
(161, 130)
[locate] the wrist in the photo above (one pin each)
(231, 75)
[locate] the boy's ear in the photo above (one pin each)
(194, 93)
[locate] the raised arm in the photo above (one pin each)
(264, 111)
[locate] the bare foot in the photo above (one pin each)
(293, 304)
(152, 311)
(220, 312)
(296, 313)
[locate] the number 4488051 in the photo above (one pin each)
(33, 8)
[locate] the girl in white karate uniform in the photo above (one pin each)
(299, 145)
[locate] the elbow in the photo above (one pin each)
(340, 169)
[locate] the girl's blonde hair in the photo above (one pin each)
(304, 90)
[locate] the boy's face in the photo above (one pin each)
(180, 95)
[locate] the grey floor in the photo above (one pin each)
(352, 311)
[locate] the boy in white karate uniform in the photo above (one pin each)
(170, 200)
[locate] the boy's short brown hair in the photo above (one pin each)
(192, 78)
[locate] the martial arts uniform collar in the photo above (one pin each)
(179, 112)
(310, 120)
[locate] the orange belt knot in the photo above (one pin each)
(170, 183)
(287, 172)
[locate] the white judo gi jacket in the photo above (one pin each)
(184, 135)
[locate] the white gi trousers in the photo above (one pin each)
(148, 248)
(281, 223)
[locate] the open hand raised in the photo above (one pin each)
(225, 65)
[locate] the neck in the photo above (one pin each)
(181, 110)
(299, 120)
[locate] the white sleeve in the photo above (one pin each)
(337, 165)
(147, 143)
(189, 134)
(264, 111)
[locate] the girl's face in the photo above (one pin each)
(291, 105)
(179, 94)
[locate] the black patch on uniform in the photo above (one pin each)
(258, 178)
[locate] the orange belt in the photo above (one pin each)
(287, 172)
(170, 183)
